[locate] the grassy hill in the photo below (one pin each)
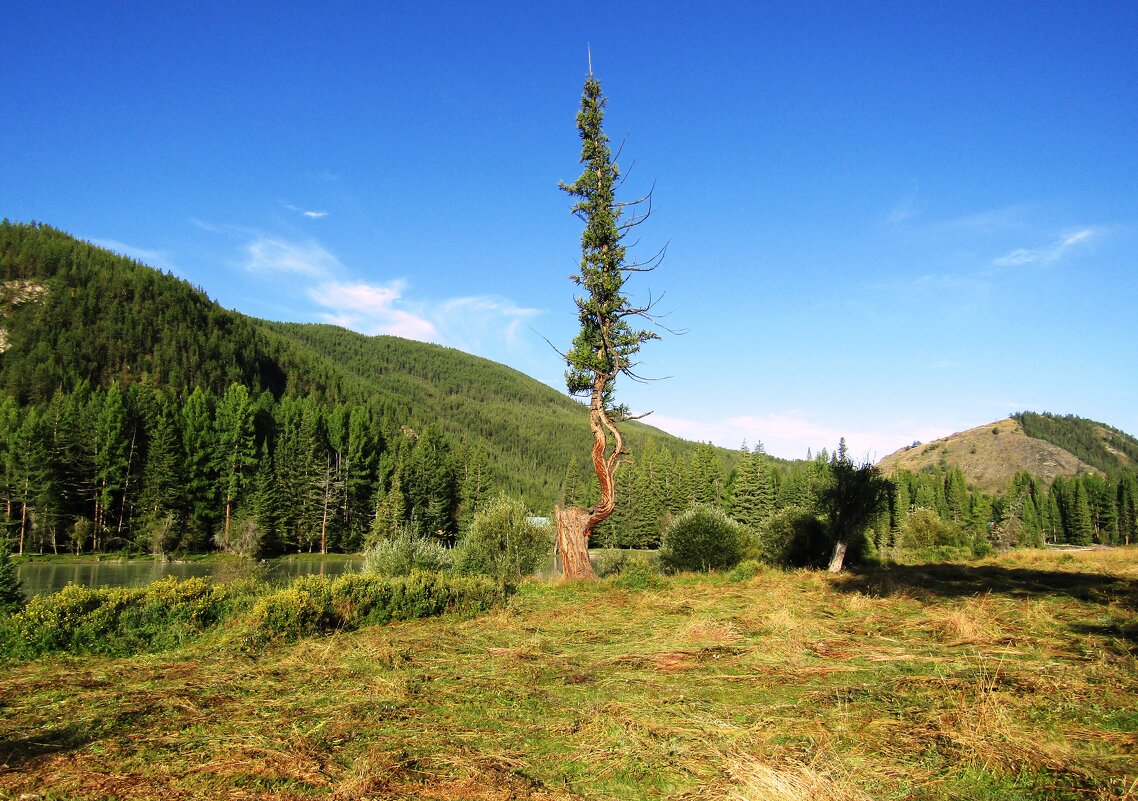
(989, 455)
(1045, 445)
(529, 429)
(1013, 678)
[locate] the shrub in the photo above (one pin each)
(794, 537)
(703, 538)
(635, 573)
(406, 554)
(317, 604)
(611, 562)
(301, 609)
(502, 543)
(117, 621)
(745, 570)
(923, 528)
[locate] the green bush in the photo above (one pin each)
(406, 554)
(923, 528)
(118, 621)
(794, 537)
(301, 609)
(745, 570)
(611, 562)
(636, 572)
(703, 538)
(502, 543)
(318, 604)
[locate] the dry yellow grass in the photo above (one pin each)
(1008, 679)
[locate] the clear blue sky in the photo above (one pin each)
(885, 221)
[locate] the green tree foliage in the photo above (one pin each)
(1099, 445)
(852, 499)
(11, 588)
(504, 543)
(704, 538)
(76, 315)
(606, 344)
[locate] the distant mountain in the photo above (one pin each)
(1044, 445)
(71, 313)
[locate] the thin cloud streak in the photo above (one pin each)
(1045, 255)
(371, 309)
(154, 258)
(477, 324)
(267, 254)
(312, 215)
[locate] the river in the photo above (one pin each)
(40, 577)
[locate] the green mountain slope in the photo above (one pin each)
(1106, 448)
(530, 430)
(72, 313)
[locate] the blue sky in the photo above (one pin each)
(885, 221)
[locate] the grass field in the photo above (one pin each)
(1013, 678)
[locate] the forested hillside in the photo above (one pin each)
(138, 413)
(1099, 445)
(1031, 479)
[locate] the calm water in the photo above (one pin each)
(45, 577)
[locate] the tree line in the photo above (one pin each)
(144, 469)
(931, 508)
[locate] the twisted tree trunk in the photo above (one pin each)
(573, 543)
(575, 525)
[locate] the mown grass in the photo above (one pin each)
(1013, 678)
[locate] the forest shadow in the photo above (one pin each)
(953, 580)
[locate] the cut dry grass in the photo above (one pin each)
(1016, 678)
(754, 780)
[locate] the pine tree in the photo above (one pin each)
(11, 587)
(1082, 525)
(200, 446)
(606, 344)
(851, 499)
(235, 458)
(745, 502)
(1128, 508)
(161, 499)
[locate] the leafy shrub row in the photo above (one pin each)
(120, 621)
(317, 604)
(169, 613)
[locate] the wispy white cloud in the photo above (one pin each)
(267, 254)
(467, 321)
(312, 215)
(905, 210)
(487, 325)
(791, 435)
(155, 258)
(1045, 255)
(477, 324)
(372, 309)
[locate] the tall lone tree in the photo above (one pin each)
(607, 343)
